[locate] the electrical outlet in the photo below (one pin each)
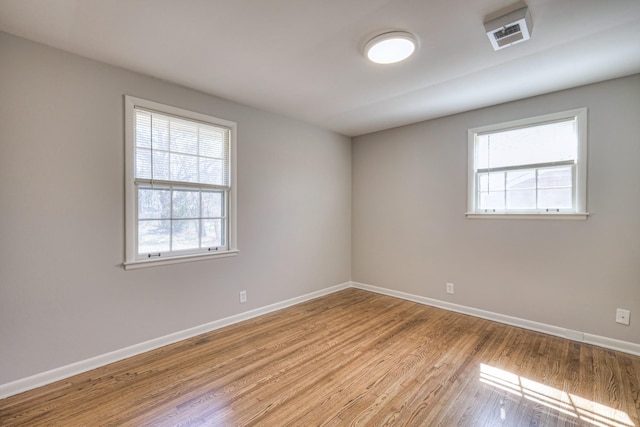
(449, 288)
(622, 316)
(243, 297)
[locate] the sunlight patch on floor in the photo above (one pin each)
(559, 400)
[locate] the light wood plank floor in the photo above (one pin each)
(350, 358)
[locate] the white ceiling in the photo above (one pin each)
(303, 58)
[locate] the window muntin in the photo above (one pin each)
(531, 166)
(541, 188)
(172, 219)
(180, 185)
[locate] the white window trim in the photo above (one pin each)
(130, 191)
(581, 168)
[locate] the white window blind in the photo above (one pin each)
(532, 166)
(181, 151)
(182, 184)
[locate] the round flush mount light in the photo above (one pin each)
(391, 47)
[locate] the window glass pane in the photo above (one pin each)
(555, 177)
(184, 168)
(143, 163)
(160, 165)
(542, 143)
(211, 142)
(493, 181)
(184, 137)
(143, 129)
(521, 179)
(160, 132)
(493, 200)
(212, 233)
(186, 204)
(212, 171)
(521, 199)
(186, 234)
(154, 236)
(154, 203)
(212, 204)
(557, 198)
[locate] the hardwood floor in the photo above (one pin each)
(350, 358)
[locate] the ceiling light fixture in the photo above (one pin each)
(391, 47)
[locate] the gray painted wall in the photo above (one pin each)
(63, 296)
(409, 231)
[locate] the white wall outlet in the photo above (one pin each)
(622, 316)
(449, 288)
(243, 297)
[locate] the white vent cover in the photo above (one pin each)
(512, 28)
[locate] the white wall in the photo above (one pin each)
(63, 295)
(410, 233)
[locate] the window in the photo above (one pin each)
(180, 185)
(529, 168)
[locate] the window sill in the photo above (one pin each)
(133, 265)
(560, 216)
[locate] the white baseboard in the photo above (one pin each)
(47, 377)
(600, 341)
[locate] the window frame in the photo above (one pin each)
(132, 260)
(579, 188)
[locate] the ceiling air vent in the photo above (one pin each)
(509, 29)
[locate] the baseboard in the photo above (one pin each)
(600, 341)
(47, 377)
